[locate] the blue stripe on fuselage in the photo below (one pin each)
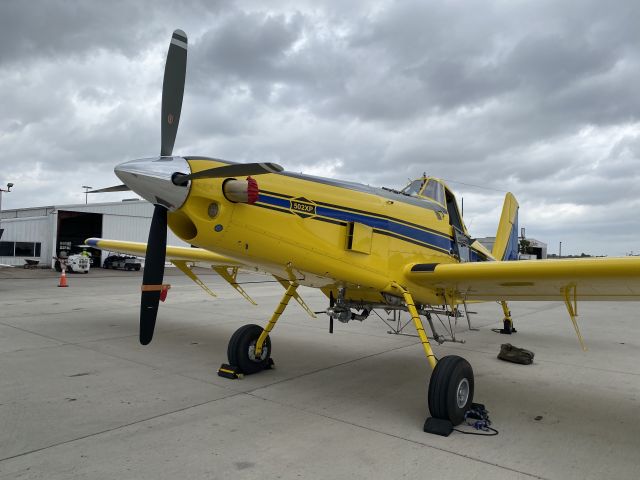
(430, 239)
(275, 201)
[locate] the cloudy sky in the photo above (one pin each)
(537, 98)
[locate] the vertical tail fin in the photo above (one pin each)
(506, 244)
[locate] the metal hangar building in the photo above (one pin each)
(40, 233)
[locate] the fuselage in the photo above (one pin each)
(321, 232)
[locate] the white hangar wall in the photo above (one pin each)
(128, 220)
(28, 230)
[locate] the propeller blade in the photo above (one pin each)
(153, 273)
(235, 170)
(116, 188)
(173, 90)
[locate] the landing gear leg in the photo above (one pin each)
(249, 349)
(508, 327)
(451, 385)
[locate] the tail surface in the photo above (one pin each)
(506, 244)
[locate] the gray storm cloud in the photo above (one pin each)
(534, 98)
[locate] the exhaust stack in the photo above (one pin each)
(241, 191)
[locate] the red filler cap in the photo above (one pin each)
(252, 190)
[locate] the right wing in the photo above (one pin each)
(173, 253)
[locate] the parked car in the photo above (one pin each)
(124, 262)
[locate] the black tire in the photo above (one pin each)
(137, 268)
(451, 389)
(238, 351)
(56, 266)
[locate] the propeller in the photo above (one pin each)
(153, 274)
(236, 170)
(173, 90)
(153, 290)
(172, 93)
(117, 188)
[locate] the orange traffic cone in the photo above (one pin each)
(63, 279)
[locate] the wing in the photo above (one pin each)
(173, 253)
(592, 278)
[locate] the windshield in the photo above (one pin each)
(413, 188)
(434, 191)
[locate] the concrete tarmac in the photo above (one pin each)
(80, 398)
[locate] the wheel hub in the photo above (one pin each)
(252, 352)
(462, 393)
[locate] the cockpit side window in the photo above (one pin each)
(434, 191)
(413, 188)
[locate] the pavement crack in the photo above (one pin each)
(102, 432)
(399, 437)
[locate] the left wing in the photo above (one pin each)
(582, 279)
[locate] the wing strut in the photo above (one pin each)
(184, 268)
(571, 302)
(230, 274)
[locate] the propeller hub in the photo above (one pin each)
(151, 178)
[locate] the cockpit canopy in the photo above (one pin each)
(434, 190)
(430, 188)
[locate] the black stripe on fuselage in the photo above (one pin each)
(411, 240)
(343, 224)
(364, 212)
(282, 210)
(423, 203)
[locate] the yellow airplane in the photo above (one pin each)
(366, 248)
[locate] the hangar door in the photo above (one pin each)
(74, 228)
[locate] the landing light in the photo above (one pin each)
(213, 209)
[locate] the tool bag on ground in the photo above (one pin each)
(510, 353)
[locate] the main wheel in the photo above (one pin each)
(451, 389)
(241, 350)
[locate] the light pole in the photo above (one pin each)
(560, 251)
(9, 185)
(86, 193)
